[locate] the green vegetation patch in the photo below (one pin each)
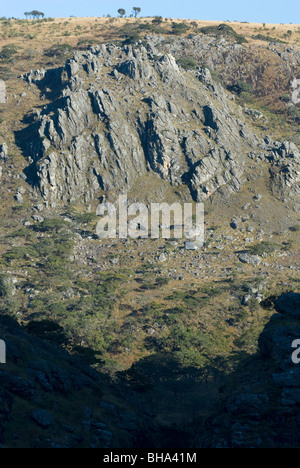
(224, 30)
(262, 37)
(264, 248)
(188, 63)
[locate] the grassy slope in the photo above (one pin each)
(41, 34)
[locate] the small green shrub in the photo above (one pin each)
(8, 52)
(262, 37)
(180, 28)
(241, 88)
(153, 28)
(20, 253)
(59, 50)
(81, 218)
(224, 30)
(162, 281)
(51, 224)
(187, 63)
(264, 248)
(157, 20)
(131, 38)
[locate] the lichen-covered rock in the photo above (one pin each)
(254, 260)
(34, 76)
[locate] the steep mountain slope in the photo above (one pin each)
(143, 329)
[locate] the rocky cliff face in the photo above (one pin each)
(116, 113)
(285, 170)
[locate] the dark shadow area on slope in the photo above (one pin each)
(48, 391)
(260, 407)
(158, 402)
(28, 140)
(51, 399)
(175, 396)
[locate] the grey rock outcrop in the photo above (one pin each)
(120, 112)
(254, 260)
(34, 76)
(3, 152)
(3, 156)
(285, 170)
(2, 92)
(235, 63)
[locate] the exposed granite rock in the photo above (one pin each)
(120, 112)
(235, 63)
(285, 170)
(250, 259)
(34, 76)
(101, 135)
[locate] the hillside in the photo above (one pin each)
(166, 111)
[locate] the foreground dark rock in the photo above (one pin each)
(262, 407)
(52, 399)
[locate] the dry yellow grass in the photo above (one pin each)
(41, 34)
